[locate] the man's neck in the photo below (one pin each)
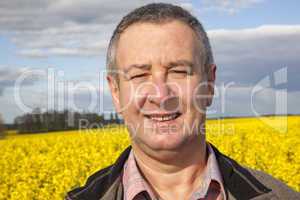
(179, 175)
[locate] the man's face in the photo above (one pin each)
(162, 94)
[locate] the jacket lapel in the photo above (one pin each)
(115, 191)
(237, 180)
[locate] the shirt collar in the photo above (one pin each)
(210, 173)
(134, 183)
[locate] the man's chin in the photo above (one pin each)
(164, 142)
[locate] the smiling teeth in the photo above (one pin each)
(164, 118)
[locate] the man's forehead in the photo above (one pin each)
(144, 41)
(170, 64)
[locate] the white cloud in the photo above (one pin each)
(229, 6)
(82, 28)
(69, 40)
(264, 42)
(8, 77)
(64, 27)
(247, 55)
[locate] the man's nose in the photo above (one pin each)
(160, 92)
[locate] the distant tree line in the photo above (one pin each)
(2, 128)
(38, 121)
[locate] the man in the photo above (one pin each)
(161, 76)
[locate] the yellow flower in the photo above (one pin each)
(45, 166)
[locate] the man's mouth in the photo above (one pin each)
(163, 117)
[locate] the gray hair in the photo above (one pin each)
(157, 13)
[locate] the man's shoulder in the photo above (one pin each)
(280, 189)
(99, 183)
(240, 181)
(246, 183)
(93, 187)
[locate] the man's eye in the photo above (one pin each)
(137, 76)
(179, 71)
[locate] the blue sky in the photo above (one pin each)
(252, 40)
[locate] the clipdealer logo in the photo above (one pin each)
(278, 82)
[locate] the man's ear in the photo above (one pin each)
(115, 92)
(211, 77)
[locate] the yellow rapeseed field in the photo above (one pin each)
(45, 166)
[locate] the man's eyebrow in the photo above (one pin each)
(169, 65)
(180, 63)
(138, 66)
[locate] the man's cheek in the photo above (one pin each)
(187, 100)
(126, 99)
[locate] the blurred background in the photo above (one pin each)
(52, 78)
(57, 51)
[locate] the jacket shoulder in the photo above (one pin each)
(93, 186)
(100, 182)
(280, 189)
(242, 182)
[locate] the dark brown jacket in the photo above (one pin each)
(240, 183)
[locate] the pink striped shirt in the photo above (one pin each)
(137, 188)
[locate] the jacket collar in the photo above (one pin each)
(104, 184)
(237, 180)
